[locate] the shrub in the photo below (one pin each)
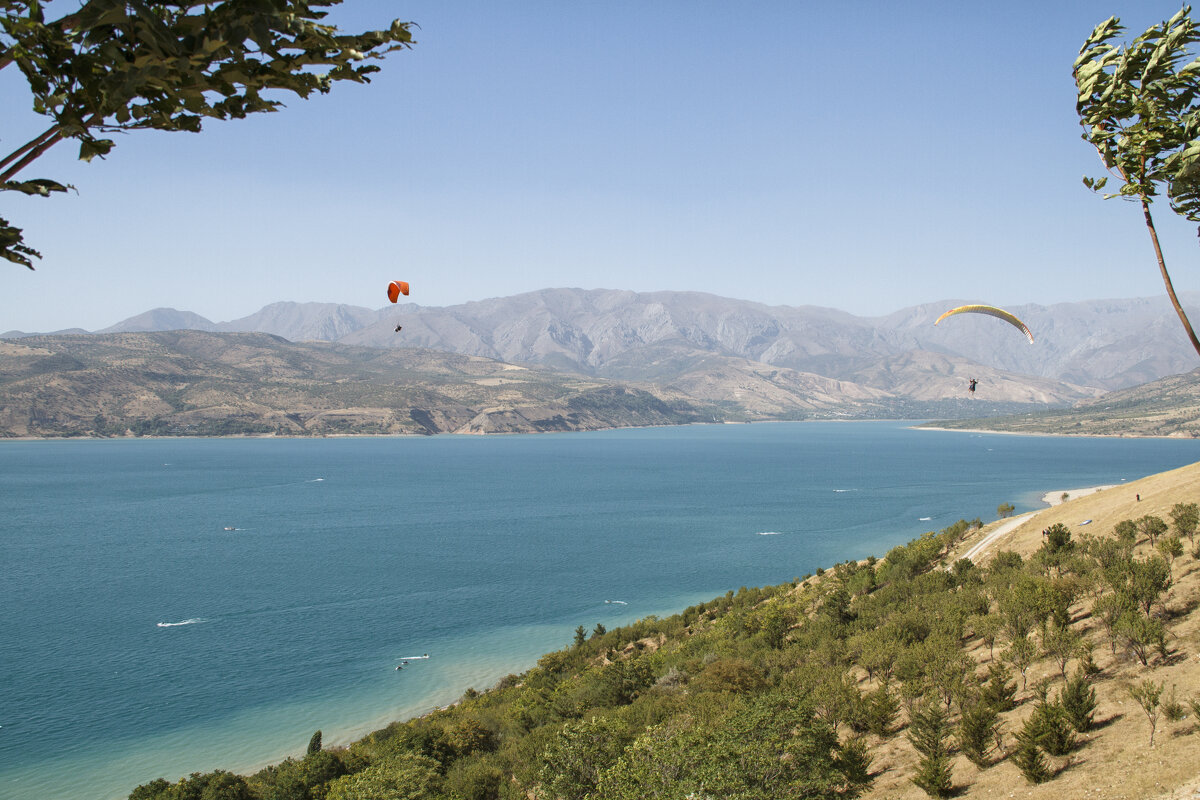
(853, 760)
(1172, 709)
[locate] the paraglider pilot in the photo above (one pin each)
(970, 385)
(395, 289)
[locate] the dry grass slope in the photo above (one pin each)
(1115, 760)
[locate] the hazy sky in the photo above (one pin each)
(865, 156)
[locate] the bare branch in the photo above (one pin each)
(20, 151)
(31, 156)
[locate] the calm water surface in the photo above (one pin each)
(142, 638)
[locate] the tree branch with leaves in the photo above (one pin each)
(122, 65)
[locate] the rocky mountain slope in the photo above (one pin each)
(206, 383)
(1103, 344)
(214, 383)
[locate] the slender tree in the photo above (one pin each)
(1136, 104)
(1021, 654)
(1148, 695)
(1062, 643)
(1126, 531)
(1141, 635)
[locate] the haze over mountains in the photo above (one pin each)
(1103, 344)
(704, 357)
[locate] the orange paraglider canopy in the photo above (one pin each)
(397, 288)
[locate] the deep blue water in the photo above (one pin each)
(483, 552)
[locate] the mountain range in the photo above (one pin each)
(705, 356)
(1105, 344)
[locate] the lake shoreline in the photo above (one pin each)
(1056, 435)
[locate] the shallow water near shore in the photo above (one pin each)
(186, 605)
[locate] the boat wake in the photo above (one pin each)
(840, 491)
(769, 533)
(193, 621)
(924, 519)
(617, 602)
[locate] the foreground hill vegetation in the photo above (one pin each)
(1059, 658)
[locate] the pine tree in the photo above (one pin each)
(977, 731)
(928, 731)
(1078, 700)
(996, 691)
(1028, 756)
(854, 761)
(881, 710)
(1057, 736)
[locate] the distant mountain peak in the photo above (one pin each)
(161, 319)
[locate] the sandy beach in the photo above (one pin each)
(1056, 497)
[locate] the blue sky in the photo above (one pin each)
(864, 156)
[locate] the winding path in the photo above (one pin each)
(1007, 527)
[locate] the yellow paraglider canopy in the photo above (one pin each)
(998, 313)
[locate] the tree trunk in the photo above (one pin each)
(1162, 267)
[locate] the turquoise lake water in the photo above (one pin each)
(139, 638)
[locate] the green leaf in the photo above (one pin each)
(90, 148)
(39, 186)
(13, 247)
